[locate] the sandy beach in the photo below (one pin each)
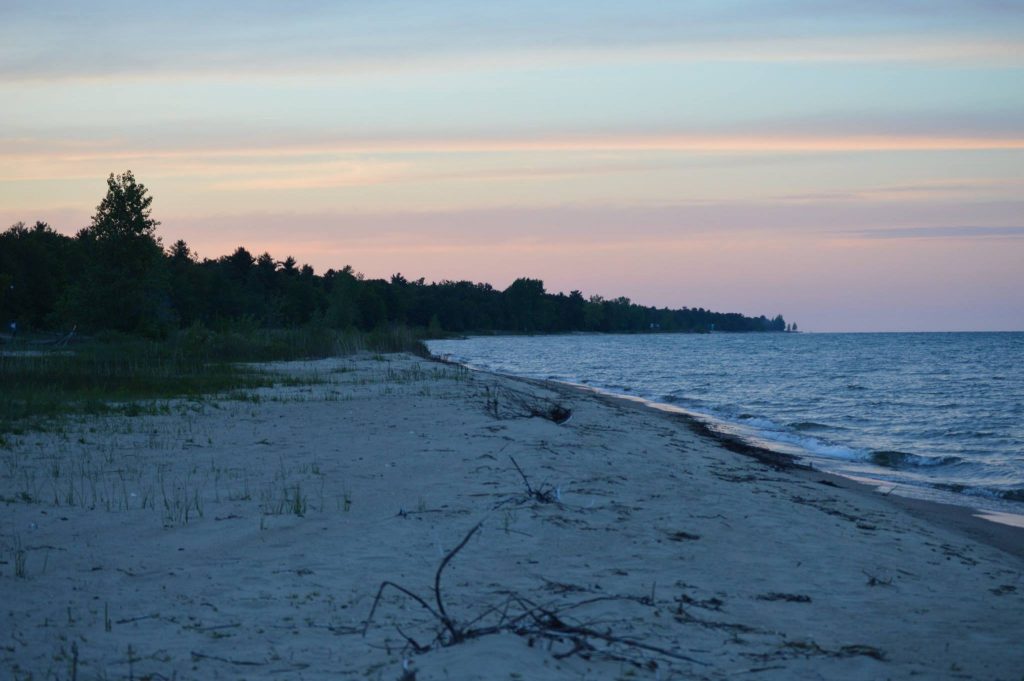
(248, 537)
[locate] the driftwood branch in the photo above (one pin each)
(523, 617)
(526, 480)
(240, 663)
(504, 402)
(543, 494)
(397, 587)
(455, 633)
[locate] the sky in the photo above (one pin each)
(852, 165)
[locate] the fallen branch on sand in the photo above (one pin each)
(240, 663)
(544, 494)
(505, 403)
(521, 616)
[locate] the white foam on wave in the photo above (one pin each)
(766, 425)
(765, 432)
(817, 447)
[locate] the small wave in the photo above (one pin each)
(811, 425)
(750, 420)
(1005, 494)
(1012, 494)
(889, 458)
(970, 434)
(684, 400)
(813, 445)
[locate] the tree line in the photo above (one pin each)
(116, 275)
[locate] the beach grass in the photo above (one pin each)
(114, 373)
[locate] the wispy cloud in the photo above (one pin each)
(736, 143)
(963, 188)
(588, 226)
(296, 39)
(942, 232)
(261, 66)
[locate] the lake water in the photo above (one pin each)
(932, 415)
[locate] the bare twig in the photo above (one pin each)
(241, 663)
(505, 402)
(544, 495)
(401, 588)
(128, 620)
(456, 634)
(631, 643)
(533, 620)
(402, 513)
(526, 480)
(411, 641)
(440, 613)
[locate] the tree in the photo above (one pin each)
(342, 291)
(124, 283)
(125, 212)
(593, 313)
(180, 252)
(575, 317)
(373, 310)
(240, 262)
(185, 282)
(523, 300)
(35, 265)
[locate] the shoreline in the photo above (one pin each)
(968, 520)
(999, 528)
(842, 410)
(962, 518)
(257, 534)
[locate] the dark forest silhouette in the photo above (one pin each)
(116, 275)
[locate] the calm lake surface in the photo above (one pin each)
(933, 415)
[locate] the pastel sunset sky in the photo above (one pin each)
(852, 165)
